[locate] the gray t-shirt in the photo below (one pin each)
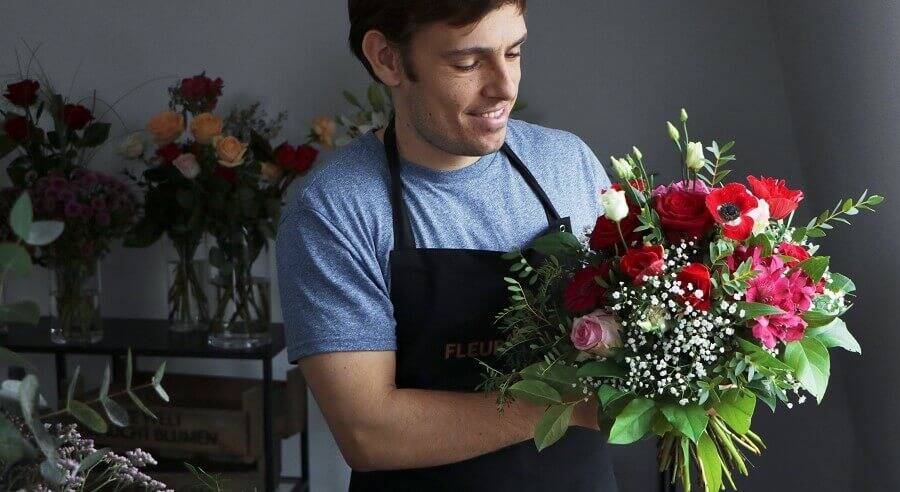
(336, 231)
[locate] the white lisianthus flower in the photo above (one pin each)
(673, 132)
(760, 216)
(132, 147)
(693, 159)
(637, 153)
(622, 168)
(615, 207)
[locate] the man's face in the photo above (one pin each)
(465, 75)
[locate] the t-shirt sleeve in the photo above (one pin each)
(332, 293)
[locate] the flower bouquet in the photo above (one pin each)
(96, 208)
(223, 178)
(685, 305)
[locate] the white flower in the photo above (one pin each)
(637, 152)
(132, 147)
(622, 168)
(614, 204)
(693, 158)
(188, 165)
(760, 216)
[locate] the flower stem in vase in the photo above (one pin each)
(242, 314)
(76, 304)
(187, 299)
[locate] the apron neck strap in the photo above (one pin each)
(403, 236)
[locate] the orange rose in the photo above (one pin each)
(270, 172)
(324, 127)
(229, 150)
(205, 126)
(166, 127)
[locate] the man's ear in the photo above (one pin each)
(384, 58)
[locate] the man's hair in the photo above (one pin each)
(399, 20)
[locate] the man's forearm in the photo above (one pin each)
(419, 428)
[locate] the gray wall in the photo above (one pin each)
(798, 85)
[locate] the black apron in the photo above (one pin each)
(445, 302)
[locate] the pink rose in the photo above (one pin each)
(596, 333)
(188, 165)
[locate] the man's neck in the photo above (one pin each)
(414, 149)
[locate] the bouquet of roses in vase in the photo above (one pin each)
(685, 305)
(96, 208)
(223, 178)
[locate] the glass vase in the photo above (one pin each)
(75, 303)
(187, 299)
(242, 313)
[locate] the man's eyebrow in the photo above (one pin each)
(478, 50)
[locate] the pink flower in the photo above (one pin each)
(687, 185)
(741, 254)
(802, 290)
(784, 327)
(596, 333)
(770, 286)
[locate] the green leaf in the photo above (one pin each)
(51, 472)
(11, 358)
(835, 334)
(116, 413)
(690, 419)
(841, 283)
(104, 385)
(608, 394)
(815, 267)
(128, 371)
(20, 217)
(601, 369)
(817, 318)
(44, 232)
(28, 398)
(90, 461)
(560, 376)
(25, 312)
(15, 257)
(555, 243)
(553, 425)
(754, 309)
(633, 422)
(7, 145)
(95, 134)
(375, 98)
(712, 463)
(70, 394)
(87, 416)
(13, 446)
(137, 401)
(761, 358)
(736, 409)
(352, 99)
(537, 392)
(810, 361)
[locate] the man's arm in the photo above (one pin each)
(380, 427)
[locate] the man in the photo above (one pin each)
(389, 258)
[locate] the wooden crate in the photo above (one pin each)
(210, 421)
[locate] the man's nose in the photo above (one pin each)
(503, 83)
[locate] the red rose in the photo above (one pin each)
(76, 116)
(683, 214)
(306, 155)
(782, 201)
(226, 173)
(168, 152)
(794, 251)
(201, 88)
(729, 206)
(22, 93)
(583, 292)
(642, 262)
(697, 275)
(16, 128)
(285, 155)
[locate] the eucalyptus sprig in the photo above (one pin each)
(817, 225)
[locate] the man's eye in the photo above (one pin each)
(468, 68)
(514, 55)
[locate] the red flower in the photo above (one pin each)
(697, 275)
(782, 201)
(583, 292)
(168, 152)
(795, 251)
(606, 235)
(646, 261)
(635, 183)
(683, 214)
(23, 93)
(729, 206)
(201, 88)
(285, 155)
(16, 128)
(226, 173)
(306, 155)
(76, 116)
